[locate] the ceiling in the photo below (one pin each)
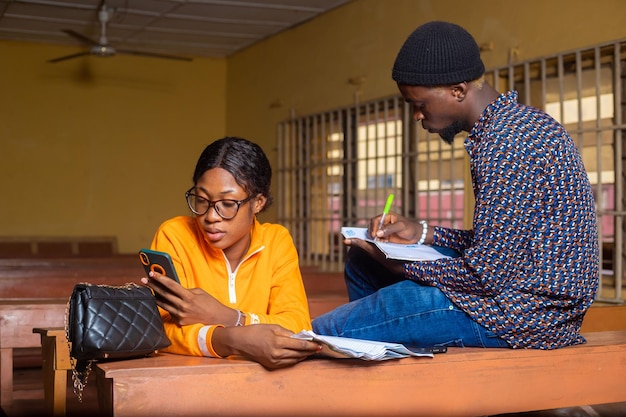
(183, 28)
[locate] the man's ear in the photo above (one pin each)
(459, 91)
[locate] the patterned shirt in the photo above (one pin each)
(529, 268)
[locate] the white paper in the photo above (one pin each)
(399, 251)
(369, 350)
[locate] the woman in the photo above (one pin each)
(241, 291)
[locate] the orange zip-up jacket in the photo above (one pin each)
(267, 285)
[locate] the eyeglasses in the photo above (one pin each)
(226, 209)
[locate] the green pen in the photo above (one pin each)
(385, 211)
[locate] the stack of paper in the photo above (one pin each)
(398, 251)
(344, 347)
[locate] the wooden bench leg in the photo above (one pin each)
(6, 376)
(56, 363)
(105, 395)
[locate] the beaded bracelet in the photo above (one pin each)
(424, 232)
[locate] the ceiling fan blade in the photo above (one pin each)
(79, 36)
(63, 58)
(153, 55)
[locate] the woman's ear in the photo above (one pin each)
(259, 203)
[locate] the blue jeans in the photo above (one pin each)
(393, 309)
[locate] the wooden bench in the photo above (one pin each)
(325, 290)
(17, 319)
(55, 278)
(55, 247)
(56, 353)
(34, 294)
(56, 365)
(52, 278)
(462, 382)
(597, 319)
(600, 318)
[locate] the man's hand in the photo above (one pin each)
(397, 229)
(394, 266)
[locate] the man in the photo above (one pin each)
(528, 269)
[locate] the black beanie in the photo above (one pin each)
(438, 53)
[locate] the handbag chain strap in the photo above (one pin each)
(79, 378)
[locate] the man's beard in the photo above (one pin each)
(449, 132)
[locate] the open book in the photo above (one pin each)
(399, 251)
(345, 347)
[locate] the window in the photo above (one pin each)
(338, 168)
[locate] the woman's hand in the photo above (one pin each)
(188, 306)
(268, 344)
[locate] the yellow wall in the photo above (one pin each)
(307, 68)
(101, 146)
(107, 146)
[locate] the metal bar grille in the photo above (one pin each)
(337, 168)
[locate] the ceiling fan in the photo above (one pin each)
(102, 47)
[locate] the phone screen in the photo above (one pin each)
(157, 261)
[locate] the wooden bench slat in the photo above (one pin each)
(19, 317)
(604, 318)
(57, 247)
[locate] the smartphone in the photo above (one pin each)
(157, 261)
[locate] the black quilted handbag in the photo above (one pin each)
(111, 322)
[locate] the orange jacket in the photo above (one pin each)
(267, 285)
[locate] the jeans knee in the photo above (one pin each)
(356, 256)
